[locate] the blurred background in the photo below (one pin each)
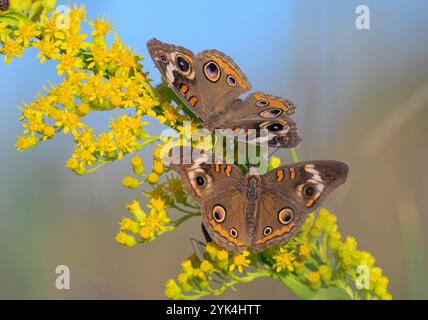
(361, 97)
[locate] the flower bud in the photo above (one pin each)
(137, 165)
(130, 182)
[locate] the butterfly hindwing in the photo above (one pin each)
(218, 187)
(289, 193)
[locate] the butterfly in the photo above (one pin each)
(254, 211)
(210, 85)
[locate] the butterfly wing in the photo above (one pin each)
(177, 66)
(218, 187)
(221, 81)
(206, 83)
(210, 84)
(263, 111)
(288, 194)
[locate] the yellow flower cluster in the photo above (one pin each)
(97, 77)
(144, 226)
(311, 263)
(166, 194)
(198, 275)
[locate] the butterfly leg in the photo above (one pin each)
(206, 235)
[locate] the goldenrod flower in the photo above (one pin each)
(26, 32)
(147, 233)
(11, 49)
(74, 164)
(136, 210)
(137, 165)
(130, 182)
(183, 280)
(304, 250)
(314, 280)
(126, 239)
(172, 290)
(84, 138)
(85, 154)
(324, 272)
(101, 27)
(206, 267)
(283, 260)
(157, 204)
(240, 260)
(48, 49)
(158, 167)
(222, 255)
(26, 142)
(153, 178)
(381, 286)
(69, 122)
(129, 225)
(48, 132)
(125, 143)
(187, 267)
(299, 267)
(211, 250)
(334, 240)
(106, 144)
(100, 59)
(68, 63)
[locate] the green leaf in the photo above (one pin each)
(331, 294)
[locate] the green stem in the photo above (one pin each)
(183, 210)
(147, 140)
(100, 165)
(176, 223)
(294, 155)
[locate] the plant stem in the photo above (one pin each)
(176, 223)
(294, 155)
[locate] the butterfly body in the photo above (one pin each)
(210, 85)
(255, 211)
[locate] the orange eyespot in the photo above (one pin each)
(233, 232)
(219, 213)
(184, 88)
(267, 231)
(212, 71)
(193, 101)
(285, 216)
